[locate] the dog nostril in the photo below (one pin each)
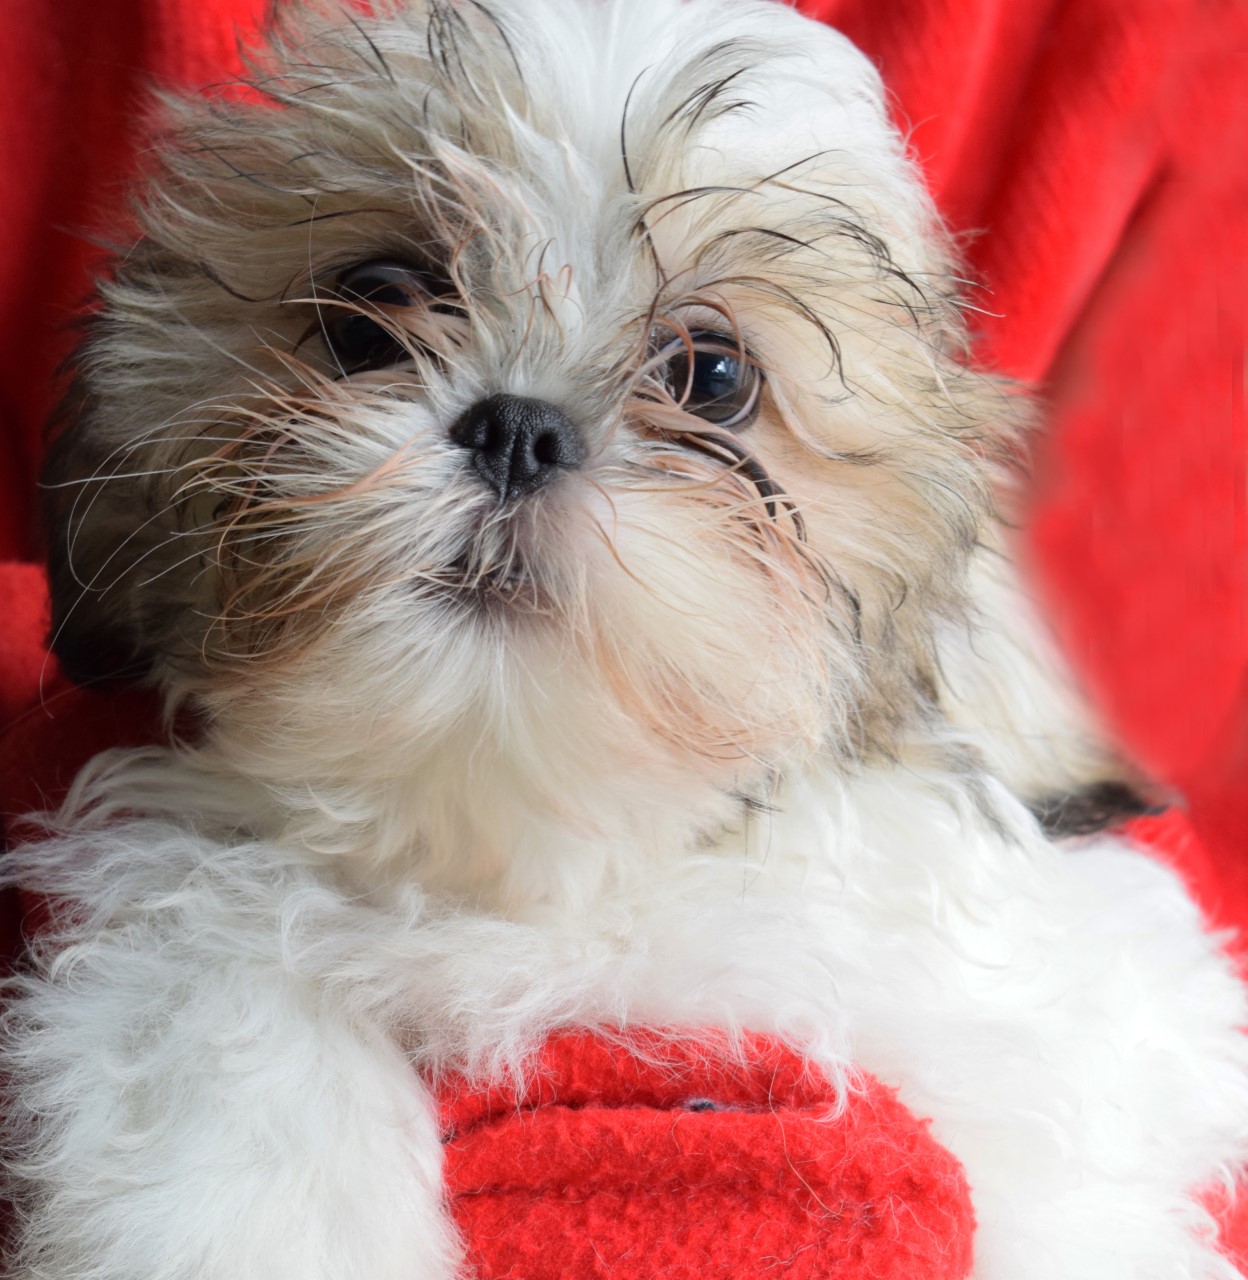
(518, 444)
(492, 438)
(547, 450)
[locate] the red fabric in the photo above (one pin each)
(673, 1161)
(1097, 145)
(24, 662)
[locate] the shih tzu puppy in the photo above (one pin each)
(536, 441)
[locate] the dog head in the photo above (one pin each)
(524, 405)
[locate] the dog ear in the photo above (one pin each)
(1004, 686)
(94, 544)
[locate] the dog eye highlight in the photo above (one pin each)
(713, 377)
(359, 341)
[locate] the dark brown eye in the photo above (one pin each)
(358, 340)
(714, 378)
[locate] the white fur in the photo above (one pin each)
(225, 1026)
(414, 836)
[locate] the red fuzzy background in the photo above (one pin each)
(1093, 152)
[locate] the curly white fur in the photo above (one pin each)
(663, 744)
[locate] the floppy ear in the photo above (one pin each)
(95, 545)
(1003, 684)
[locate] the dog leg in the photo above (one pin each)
(186, 1110)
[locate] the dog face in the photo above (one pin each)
(531, 403)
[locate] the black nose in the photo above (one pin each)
(518, 444)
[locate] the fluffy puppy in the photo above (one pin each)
(535, 441)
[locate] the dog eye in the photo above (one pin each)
(714, 378)
(359, 341)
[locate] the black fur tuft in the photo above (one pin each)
(1093, 808)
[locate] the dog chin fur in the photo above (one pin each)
(658, 745)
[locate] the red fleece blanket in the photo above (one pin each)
(1092, 150)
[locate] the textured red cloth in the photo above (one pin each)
(1098, 146)
(675, 1162)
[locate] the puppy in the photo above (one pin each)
(536, 442)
